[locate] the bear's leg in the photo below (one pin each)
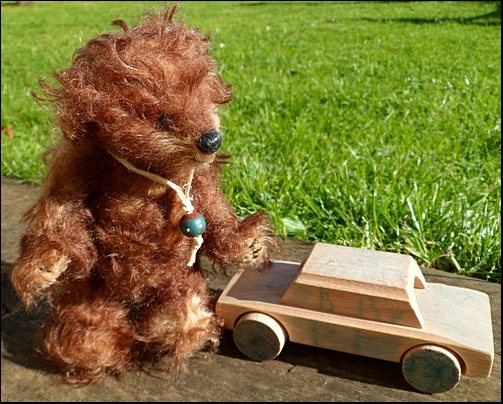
(90, 339)
(181, 323)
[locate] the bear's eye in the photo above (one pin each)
(164, 122)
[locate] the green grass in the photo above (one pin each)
(374, 125)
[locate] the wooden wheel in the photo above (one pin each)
(431, 369)
(259, 336)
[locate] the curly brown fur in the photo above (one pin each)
(103, 244)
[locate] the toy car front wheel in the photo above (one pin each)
(431, 369)
(259, 336)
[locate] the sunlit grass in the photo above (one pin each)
(374, 125)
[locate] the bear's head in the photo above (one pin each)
(150, 93)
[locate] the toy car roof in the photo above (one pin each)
(367, 284)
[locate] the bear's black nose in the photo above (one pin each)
(209, 142)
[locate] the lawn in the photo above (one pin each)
(367, 124)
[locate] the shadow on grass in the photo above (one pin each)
(16, 3)
(270, 3)
(489, 19)
(331, 363)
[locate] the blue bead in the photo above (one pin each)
(193, 225)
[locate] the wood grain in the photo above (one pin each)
(360, 283)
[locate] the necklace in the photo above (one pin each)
(192, 224)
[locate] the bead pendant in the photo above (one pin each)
(193, 224)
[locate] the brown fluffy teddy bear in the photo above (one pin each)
(130, 191)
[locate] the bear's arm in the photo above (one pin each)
(58, 238)
(228, 240)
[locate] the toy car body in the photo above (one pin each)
(369, 303)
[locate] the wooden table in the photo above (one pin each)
(300, 373)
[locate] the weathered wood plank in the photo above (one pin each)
(299, 373)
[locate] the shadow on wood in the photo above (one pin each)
(331, 363)
(21, 329)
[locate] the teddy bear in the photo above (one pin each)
(130, 201)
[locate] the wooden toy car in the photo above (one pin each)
(364, 302)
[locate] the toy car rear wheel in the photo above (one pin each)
(431, 369)
(259, 336)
